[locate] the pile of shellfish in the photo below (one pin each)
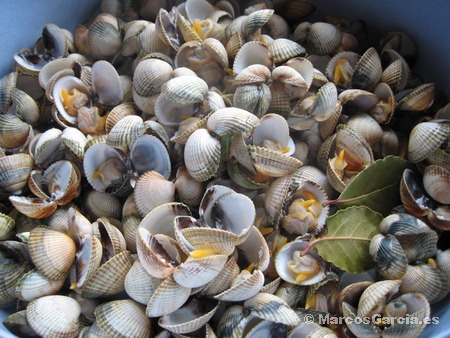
(165, 167)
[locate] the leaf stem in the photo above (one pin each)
(340, 201)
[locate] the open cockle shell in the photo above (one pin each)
(148, 153)
(436, 181)
(282, 50)
(111, 237)
(161, 219)
(159, 254)
(252, 52)
(139, 285)
(223, 280)
(168, 297)
(34, 207)
(109, 278)
(47, 147)
(88, 259)
(294, 268)
(272, 127)
(244, 286)
(106, 83)
(204, 238)
(78, 93)
(271, 162)
(104, 167)
(368, 70)
(254, 251)
(62, 180)
(190, 317)
(223, 208)
(198, 271)
(417, 99)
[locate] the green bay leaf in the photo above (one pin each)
(376, 187)
(346, 243)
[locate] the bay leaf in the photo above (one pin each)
(346, 243)
(376, 187)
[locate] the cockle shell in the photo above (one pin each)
(104, 166)
(69, 84)
(7, 225)
(52, 252)
(255, 20)
(139, 285)
(54, 316)
(418, 99)
(14, 172)
(126, 131)
(150, 75)
(123, 317)
(202, 153)
(25, 106)
(152, 190)
(97, 204)
(272, 163)
(323, 38)
(283, 49)
(161, 219)
(185, 89)
(148, 153)
(312, 267)
(366, 126)
(34, 284)
(13, 131)
(190, 317)
(231, 120)
(106, 83)
(368, 70)
(250, 53)
(109, 278)
(223, 280)
(425, 138)
(271, 307)
(168, 297)
(104, 39)
(436, 182)
(253, 98)
(159, 254)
